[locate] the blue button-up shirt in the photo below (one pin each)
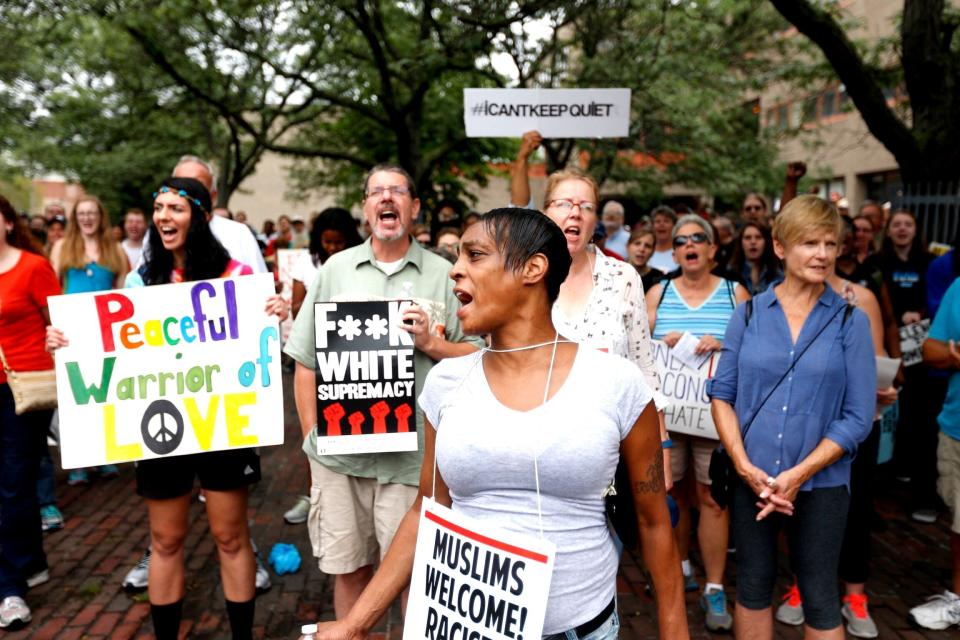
(831, 392)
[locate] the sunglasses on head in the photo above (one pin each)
(697, 238)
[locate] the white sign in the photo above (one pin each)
(911, 341)
(555, 113)
(686, 389)
(286, 259)
(167, 370)
(473, 581)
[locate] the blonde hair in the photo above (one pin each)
(73, 255)
(558, 177)
(803, 216)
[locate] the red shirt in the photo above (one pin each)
(23, 298)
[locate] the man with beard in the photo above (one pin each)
(360, 499)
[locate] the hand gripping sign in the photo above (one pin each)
(686, 389)
(472, 581)
(167, 370)
(365, 378)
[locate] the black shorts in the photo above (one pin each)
(165, 478)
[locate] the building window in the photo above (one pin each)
(829, 103)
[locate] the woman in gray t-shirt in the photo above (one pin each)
(532, 398)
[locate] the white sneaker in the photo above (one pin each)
(38, 578)
(14, 613)
(939, 612)
(299, 512)
(136, 578)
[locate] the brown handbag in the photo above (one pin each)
(32, 390)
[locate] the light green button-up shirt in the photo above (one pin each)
(354, 275)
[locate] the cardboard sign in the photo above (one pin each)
(555, 113)
(911, 341)
(167, 370)
(365, 378)
(686, 389)
(474, 581)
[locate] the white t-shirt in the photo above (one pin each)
(133, 252)
(485, 455)
(304, 270)
(663, 260)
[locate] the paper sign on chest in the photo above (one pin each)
(365, 378)
(167, 370)
(686, 388)
(476, 582)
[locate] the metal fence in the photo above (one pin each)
(936, 205)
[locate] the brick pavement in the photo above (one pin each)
(106, 532)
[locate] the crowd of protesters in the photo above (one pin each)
(798, 302)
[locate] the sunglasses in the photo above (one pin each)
(697, 238)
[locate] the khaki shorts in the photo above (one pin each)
(686, 447)
(352, 520)
(948, 482)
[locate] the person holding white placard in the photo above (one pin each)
(540, 425)
(182, 248)
(700, 304)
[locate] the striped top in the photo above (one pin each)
(710, 318)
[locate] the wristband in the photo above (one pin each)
(666, 444)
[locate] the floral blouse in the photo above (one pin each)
(615, 318)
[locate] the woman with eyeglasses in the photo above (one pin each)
(699, 303)
(181, 248)
(601, 302)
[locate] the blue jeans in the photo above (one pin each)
(609, 630)
(45, 484)
(22, 441)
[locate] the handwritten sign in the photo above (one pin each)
(167, 370)
(686, 389)
(911, 341)
(286, 258)
(365, 378)
(474, 581)
(555, 113)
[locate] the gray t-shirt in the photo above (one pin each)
(485, 456)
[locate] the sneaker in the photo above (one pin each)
(14, 613)
(38, 578)
(859, 622)
(78, 477)
(136, 578)
(690, 583)
(791, 611)
(50, 517)
(926, 516)
(298, 514)
(108, 471)
(939, 612)
(714, 604)
(263, 575)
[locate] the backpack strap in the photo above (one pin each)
(748, 313)
(663, 290)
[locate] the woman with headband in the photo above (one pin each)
(181, 249)
(526, 436)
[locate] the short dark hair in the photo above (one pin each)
(520, 234)
(391, 168)
(664, 210)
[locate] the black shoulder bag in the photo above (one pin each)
(723, 475)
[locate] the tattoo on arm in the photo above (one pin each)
(654, 482)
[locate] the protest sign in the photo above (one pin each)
(555, 113)
(911, 341)
(167, 370)
(686, 389)
(365, 378)
(472, 581)
(286, 259)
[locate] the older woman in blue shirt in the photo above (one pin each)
(795, 460)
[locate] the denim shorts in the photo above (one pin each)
(609, 630)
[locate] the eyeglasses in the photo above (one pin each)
(753, 207)
(182, 194)
(696, 238)
(397, 190)
(567, 205)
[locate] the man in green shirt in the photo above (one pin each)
(357, 501)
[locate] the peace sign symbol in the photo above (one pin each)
(156, 434)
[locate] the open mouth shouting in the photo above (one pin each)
(464, 298)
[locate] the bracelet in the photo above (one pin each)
(666, 444)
